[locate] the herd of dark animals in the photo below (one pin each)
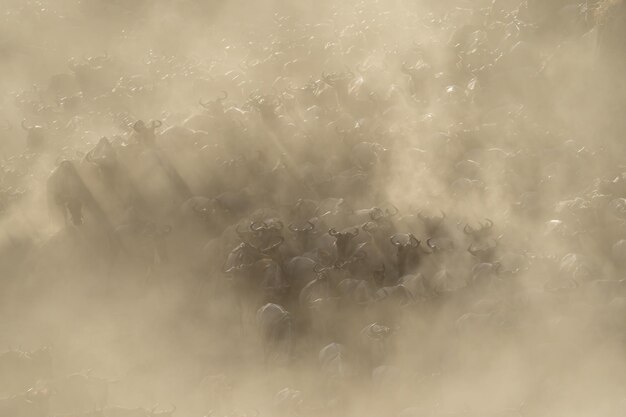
(282, 213)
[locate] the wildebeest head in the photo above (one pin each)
(271, 247)
(265, 233)
(245, 255)
(342, 241)
(375, 332)
(267, 105)
(303, 233)
(102, 155)
(406, 246)
(305, 229)
(242, 258)
(378, 275)
(146, 133)
(418, 74)
(275, 327)
(266, 226)
(485, 252)
(431, 224)
(481, 232)
(215, 107)
(381, 219)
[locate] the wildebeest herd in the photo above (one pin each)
(361, 208)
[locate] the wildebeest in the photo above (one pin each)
(68, 194)
(275, 326)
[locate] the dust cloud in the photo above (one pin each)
(294, 208)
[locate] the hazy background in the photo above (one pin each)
(529, 137)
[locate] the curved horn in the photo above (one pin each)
(430, 245)
(394, 241)
(311, 226)
(224, 96)
(488, 225)
(293, 229)
(355, 233)
(275, 245)
(278, 225)
(414, 242)
(333, 232)
(206, 105)
(155, 124)
(23, 124)
(257, 226)
(368, 226)
(468, 230)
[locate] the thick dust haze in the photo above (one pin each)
(312, 208)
